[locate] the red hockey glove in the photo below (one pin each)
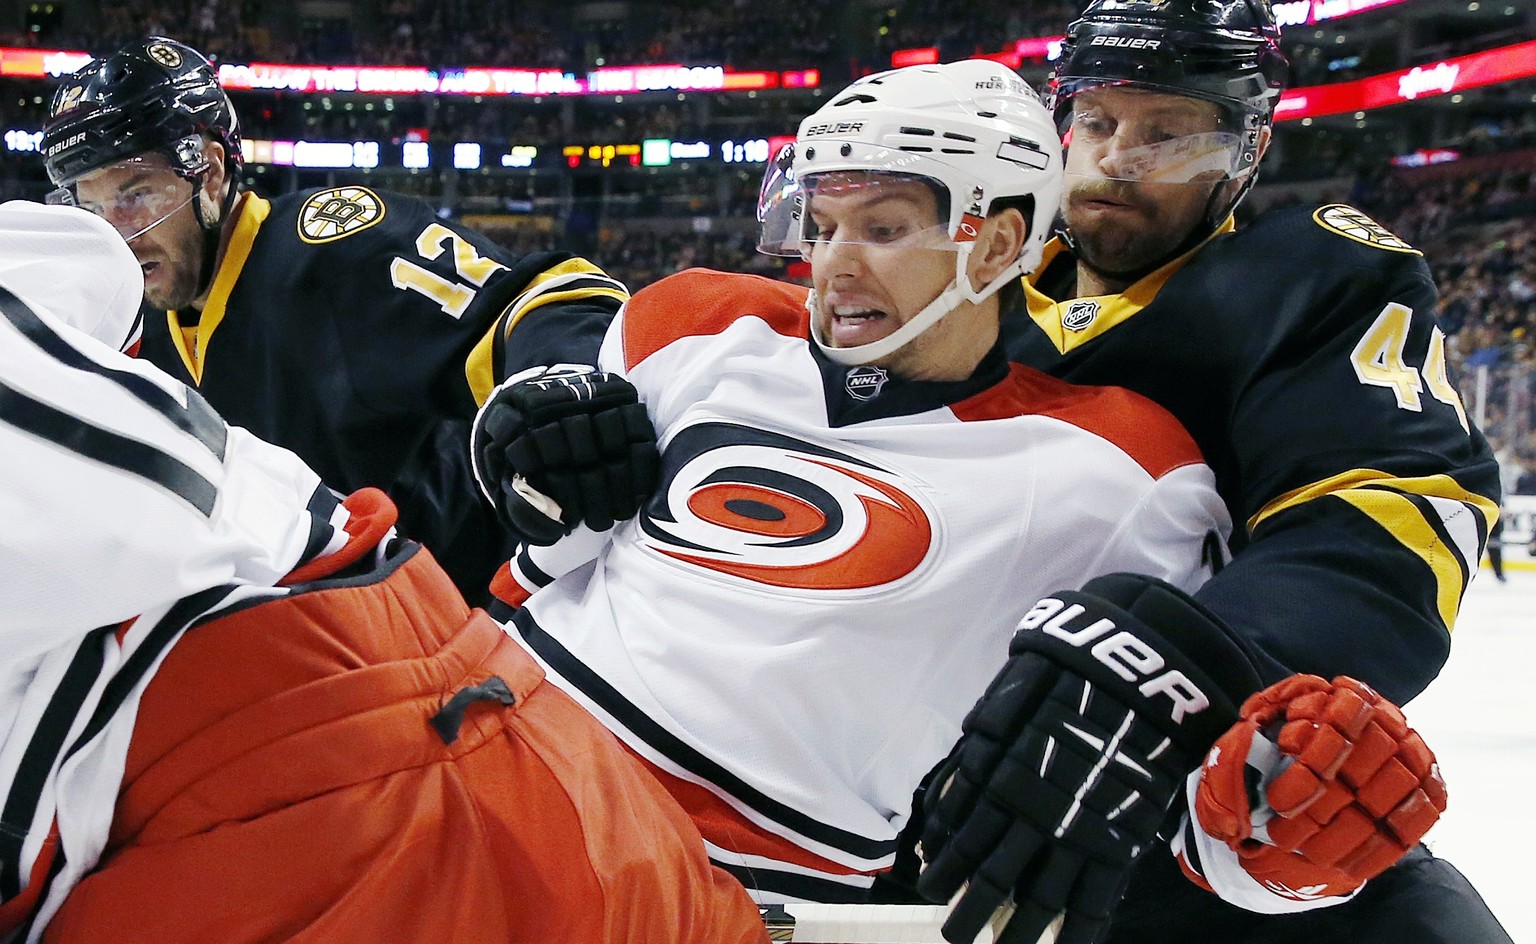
(1320, 787)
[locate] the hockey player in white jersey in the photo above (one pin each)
(859, 500)
(236, 708)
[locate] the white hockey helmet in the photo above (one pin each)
(73, 266)
(972, 130)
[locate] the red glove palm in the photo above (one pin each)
(1344, 788)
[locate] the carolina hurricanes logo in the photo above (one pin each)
(780, 511)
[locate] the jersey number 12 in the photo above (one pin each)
(452, 296)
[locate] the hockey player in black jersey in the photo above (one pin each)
(1115, 702)
(351, 325)
(1302, 353)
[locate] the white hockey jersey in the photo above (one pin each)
(795, 625)
(130, 510)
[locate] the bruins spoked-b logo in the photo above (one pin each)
(341, 211)
(1351, 223)
(771, 509)
(164, 53)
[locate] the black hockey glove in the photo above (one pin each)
(1069, 763)
(554, 447)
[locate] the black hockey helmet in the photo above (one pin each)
(1225, 51)
(152, 95)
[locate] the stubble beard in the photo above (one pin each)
(1110, 245)
(183, 263)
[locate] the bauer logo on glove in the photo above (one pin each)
(1128, 656)
(1068, 764)
(557, 447)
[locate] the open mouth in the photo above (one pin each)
(852, 324)
(855, 315)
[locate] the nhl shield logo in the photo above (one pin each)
(865, 383)
(341, 211)
(1079, 315)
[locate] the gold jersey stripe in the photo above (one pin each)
(573, 266)
(1430, 486)
(479, 368)
(1384, 500)
(1403, 519)
(192, 342)
(1106, 311)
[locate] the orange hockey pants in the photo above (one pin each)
(285, 783)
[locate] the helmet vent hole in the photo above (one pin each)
(916, 149)
(956, 151)
(856, 100)
(956, 136)
(925, 132)
(987, 114)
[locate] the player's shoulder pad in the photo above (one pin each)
(1340, 219)
(325, 216)
(701, 302)
(1318, 235)
(1144, 430)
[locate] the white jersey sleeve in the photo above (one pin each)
(1212, 864)
(123, 490)
(1179, 510)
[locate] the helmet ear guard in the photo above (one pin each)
(975, 132)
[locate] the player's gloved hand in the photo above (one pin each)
(554, 447)
(1320, 787)
(1068, 764)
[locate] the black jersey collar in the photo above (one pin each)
(860, 394)
(1073, 320)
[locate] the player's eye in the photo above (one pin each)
(1092, 124)
(136, 199)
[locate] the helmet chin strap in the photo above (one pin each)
(212, 230)
(957, 291)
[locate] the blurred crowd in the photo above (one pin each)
(745, 34)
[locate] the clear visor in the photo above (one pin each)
(874, 208)
(1141, 135)
(134, 195)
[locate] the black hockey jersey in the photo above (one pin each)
(1302, 353)
(359, 330)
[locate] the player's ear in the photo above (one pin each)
(215, 180)
(997, 246)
